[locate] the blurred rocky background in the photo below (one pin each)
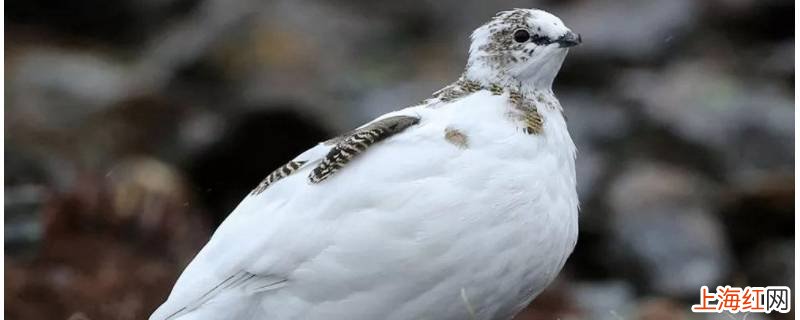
(133, 127)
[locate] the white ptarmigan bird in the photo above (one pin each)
(460, 207)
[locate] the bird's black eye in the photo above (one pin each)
(521, 36)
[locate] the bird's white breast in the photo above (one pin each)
(419, 227)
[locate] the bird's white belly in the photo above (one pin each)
(433, 230)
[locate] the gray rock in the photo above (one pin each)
(55, 87)
(593, 121)
(771, 264)
(776, 59)
(590, 166)
(603, 300)
(379, 101)
(593, 118)
(748, 123)
(23, 226)
(629, 29)
(661, 216)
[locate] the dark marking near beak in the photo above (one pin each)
(570, 39)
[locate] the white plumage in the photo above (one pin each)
(417, 226)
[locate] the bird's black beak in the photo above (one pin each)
(570, 39)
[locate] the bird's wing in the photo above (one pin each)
(229, 261)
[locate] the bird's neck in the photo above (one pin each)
(493, 83)
(531, 86)
(521, 92)
(536, 76)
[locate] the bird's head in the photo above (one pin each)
(520, 46)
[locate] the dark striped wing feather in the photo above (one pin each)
(280, 173)
(351, 145)
(346, 147)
